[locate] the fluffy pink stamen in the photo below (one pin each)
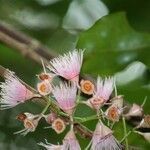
(13, 92)
(65, 95)
(68, 66)
(104, 88)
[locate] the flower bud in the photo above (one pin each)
(117, 101)
(113, 113)
(58, 125)
(44, 87)
(115, 110)
(135, 111)
(87, 87)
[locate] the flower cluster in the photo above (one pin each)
(64, 97)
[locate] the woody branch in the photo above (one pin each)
(25, 45)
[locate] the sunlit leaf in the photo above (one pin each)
(82, 14)
(134, 71)
(111, 44)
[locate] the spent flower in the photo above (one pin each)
(30, 122)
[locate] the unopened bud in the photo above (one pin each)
(58, 125)
(87, 87)
(44, 87)
(113, 113)
(135, 111)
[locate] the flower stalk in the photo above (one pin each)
(125, 133)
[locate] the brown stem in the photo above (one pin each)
(24, 44)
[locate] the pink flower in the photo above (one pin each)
(70, 142)
(102, 93)
(104, 88)
(65, 95)
(13, 92)
(103, 139)
(68, 66)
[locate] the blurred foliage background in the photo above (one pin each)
(116, 44)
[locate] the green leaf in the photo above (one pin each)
(82, 15)
(111, 44)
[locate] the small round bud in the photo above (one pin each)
(87, 87)
(58, 125)
(44, 87)
(113, 113)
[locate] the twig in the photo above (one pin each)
(24, 44)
